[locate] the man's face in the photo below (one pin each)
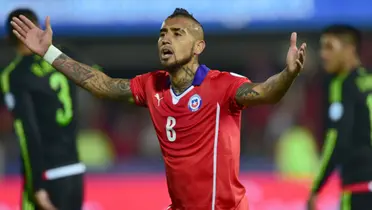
(332, 53)
(176, 43)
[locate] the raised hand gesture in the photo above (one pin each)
(295, 56)
(36, 39)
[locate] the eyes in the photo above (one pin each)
(176, 34)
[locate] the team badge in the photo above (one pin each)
(195, 103)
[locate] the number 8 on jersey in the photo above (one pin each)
(171, 133)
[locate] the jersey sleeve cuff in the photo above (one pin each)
(235, 90)
(134, 95)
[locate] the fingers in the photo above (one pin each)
(303, 46)
(21, 25)
(301, 55)
(302, 52)
(19, 36)
(300, 65)
(18, 29)
(48, 27)
(27, 22)
(293, 40)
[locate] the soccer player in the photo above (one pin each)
(42, 101)
(348, 142)
(196, 111)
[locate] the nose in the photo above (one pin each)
(165, 41)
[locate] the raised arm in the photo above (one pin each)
(270, 91)
(92, 80)
(273, 89)
(40, 42)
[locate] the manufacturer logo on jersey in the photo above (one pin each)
(195, 103)
(157, 96)
(9, 101)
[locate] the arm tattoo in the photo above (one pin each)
(246, 91)
(92, 80)
(270, 91)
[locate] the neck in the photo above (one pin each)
(181, 78)
(351, 65)
(23, 50)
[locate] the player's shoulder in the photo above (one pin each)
(154, 79)
(11, 64)
(156, 76)
(220, 75)
(14, 71)
(159, 73)
(360, 79)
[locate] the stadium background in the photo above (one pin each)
(280, 144)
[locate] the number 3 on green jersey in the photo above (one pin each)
(58, 82)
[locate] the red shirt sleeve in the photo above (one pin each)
(138, 88)
(234, 81)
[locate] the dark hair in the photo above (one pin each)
(15, 13)
(180, 12)
(343, 30)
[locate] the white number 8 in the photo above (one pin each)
(171, 133)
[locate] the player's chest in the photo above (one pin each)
(193, 102)
(192, 113)
(194, 106)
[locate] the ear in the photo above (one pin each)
(199, 47)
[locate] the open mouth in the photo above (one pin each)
(166, 53)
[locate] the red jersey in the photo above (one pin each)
(199, 135)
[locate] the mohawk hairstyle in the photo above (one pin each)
(181, 12)
(353, 35)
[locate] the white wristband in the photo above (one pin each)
(52, 54)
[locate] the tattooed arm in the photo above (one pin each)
(268, 92)
(40, 42)
(93, 80)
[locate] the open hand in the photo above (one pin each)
(36, 39)
(295, 56)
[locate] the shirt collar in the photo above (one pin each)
(200, 75)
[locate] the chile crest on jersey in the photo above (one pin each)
(195, 103)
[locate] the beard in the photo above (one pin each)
(178, 63)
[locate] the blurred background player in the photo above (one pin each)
(43, 103)
(349, 136)
(196, 111)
